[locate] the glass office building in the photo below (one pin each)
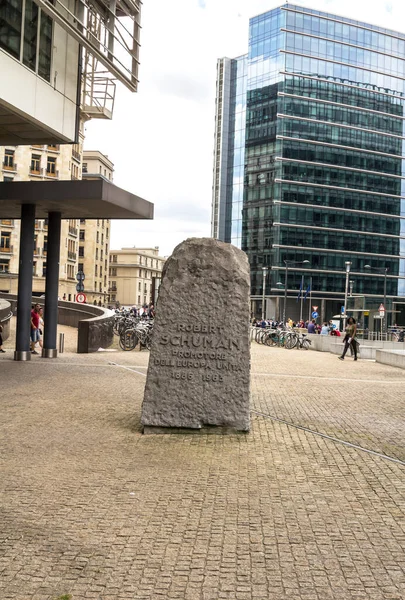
(309, 159)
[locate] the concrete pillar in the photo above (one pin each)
(22, 340)
(52, 285)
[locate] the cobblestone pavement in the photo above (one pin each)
(92, 508)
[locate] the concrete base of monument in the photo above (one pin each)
(206, 430)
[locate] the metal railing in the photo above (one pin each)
(72, 255)
(73, 230)
(37, 172)
(12, 168)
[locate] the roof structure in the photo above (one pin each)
(82, 199)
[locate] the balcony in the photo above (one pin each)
(7, 250)
(72, 256)
(37, 172)
(53, 148)
(76, 155)
(73, 231)
(112, 288)
(10, 168)
(52, 175)
(7, 222)
(37, 251)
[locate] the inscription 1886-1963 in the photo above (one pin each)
(199, 365)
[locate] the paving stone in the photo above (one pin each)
(92, 507)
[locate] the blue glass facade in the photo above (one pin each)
(323, 173)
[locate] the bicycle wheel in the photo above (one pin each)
(290, 341)
(305, 344)
(259, 336)
(128, 340)
(271, 339)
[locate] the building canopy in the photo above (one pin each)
(86, 199)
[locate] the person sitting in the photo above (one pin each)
(311, 327)
(325, 329)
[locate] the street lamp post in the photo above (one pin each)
(348, 264)
(293, 264)
(264, 269)
(385, 271)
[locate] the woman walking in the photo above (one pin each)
(350, 338)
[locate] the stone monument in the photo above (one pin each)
(199, 366)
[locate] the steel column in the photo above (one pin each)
(22, 340)
(52, 285)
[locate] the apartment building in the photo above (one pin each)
(96, 164)
(135, 275)
(94, 244)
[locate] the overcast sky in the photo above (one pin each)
(161, 138)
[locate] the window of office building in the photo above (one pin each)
(4, 265)
(8, 159)
(36, 50)
(5, 241)
(35, 163)
(81, 251)
(82, 235)
(80, 267)
(51, 165)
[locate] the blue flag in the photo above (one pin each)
(299, 293)
(307, 292)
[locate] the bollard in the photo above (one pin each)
(61, 343)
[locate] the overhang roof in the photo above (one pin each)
(82, 199)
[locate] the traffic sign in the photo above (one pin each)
(80, 276)
(315, 308)
(79, 287)
(81, 298)
(382, 310)
(315, 315)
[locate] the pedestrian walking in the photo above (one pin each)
(34, 327)
(350, 338)
(41, 327)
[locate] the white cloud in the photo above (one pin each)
(161, 139)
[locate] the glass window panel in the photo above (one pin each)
(30, 34)
(45, 47)
(10, 26)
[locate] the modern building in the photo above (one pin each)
(61, 61)
(135, 275)
(308, 161)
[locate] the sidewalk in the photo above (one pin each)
(94, 509)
